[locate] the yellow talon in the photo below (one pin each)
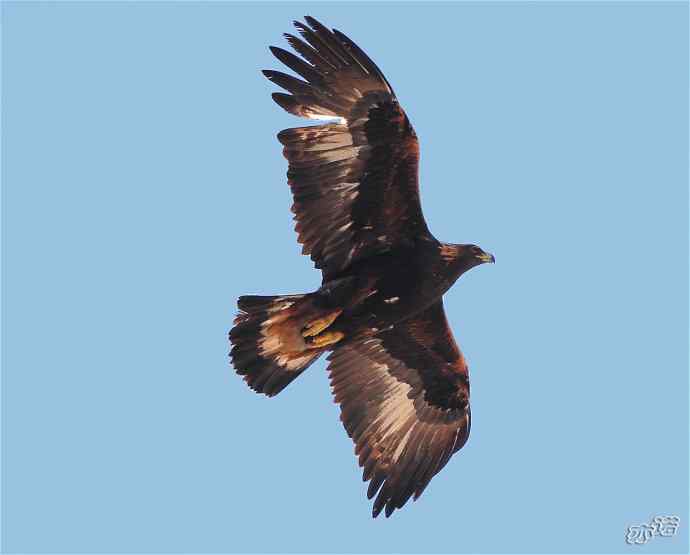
(317, 326)
(326, 338)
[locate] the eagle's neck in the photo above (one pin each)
(449, 252)
(456, 260)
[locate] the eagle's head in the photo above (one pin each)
(461, 258)
(475, 255)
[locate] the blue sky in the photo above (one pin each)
(144, 190)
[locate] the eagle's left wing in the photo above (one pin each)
(354, 181)
(404, 397)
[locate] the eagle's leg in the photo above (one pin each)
(315, 327)
(324, 339)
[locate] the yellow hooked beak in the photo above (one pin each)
(486, 257)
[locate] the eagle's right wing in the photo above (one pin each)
(404, 399)
(354, 181)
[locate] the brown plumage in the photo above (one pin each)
(395, 369)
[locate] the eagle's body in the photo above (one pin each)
(401, 381)
(389, 287)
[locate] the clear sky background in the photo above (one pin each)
(144, 190)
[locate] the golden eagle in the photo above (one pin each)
(400, 379)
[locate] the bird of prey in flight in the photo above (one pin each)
(395, 369)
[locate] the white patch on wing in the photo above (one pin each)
(392, 300)
(402, 443)
(326, 117)
(396, 409)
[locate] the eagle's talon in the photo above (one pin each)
(317, 326)
(324, 339)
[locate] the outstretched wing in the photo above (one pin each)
(404, 399)
(354, 181)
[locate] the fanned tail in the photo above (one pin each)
(268, 347)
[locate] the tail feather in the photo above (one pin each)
(267, 345)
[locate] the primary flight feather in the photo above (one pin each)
(395, 369)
